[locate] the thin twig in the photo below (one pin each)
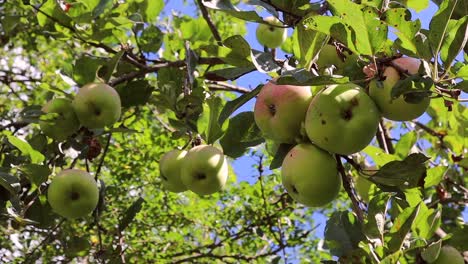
(49, 235)
(347, 186)
(207, 17)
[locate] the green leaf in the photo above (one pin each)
(459, 238)
(434, 176)
(401, 227)
(408, 32)
(280, 154)
(241, 134)
(301, 77)
(431, 252)
(131, 213)
(207, 123)
(151, 9)
(377, 211)
(238, 45)
(264, 61)
(85, 69)
(10, 183)
(26, 149)
(226, 74)
(378, 155)
(343, 233)
(414, 88)
(404, 174)
(427, 221)
(36, 173)
(307, 43)
(417, 5)
(454, 41)
(102, 7)
(365, 33)
(151, 39)
(134, 93)
(405, 143)
(231, 106)
(439, 24)
(392, 258)
(227, 7)
(106, 71)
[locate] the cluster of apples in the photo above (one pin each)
(203, 170)
(340, 119)
(74, 193)
(96, 105)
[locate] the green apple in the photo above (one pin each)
(449, 255)
(97, 105)
(342, 119)
(60, 120)
(397, 109)
(170, 168)
(272, 34)
(280, 110)
(73, 193)
(328, 57)
(204, 170)
(310, 175)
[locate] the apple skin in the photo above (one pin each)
(449, 255)
(310, 175)
(73, 193)
(204, 170)
(328, 56)
(280, 110)
(169, 169)
(397, 109)
(272, 35)
(97, 105)
(342, 119)
(62, 126)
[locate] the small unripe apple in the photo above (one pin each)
(60, 120)
(342, 119)
(97, 105)
(280, 110)
(272, 35)
(449, 255)
(73, 193)
(170, 170)
(397, 109)
(328, 57)
(310, 175)
(204, 170)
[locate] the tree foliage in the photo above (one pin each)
(178, 78)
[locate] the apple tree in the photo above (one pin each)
(216, 131)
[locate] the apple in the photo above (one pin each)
(449, 255)
(97, 105)
(73, 193)
(272, 34)
(397, 109)
(204, 170)
(342, 119)
(170, 169)
(280, 110)
(328, 57)
(60, 120)
(310, 175)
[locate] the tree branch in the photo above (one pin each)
(206, 16)
(347, 184)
